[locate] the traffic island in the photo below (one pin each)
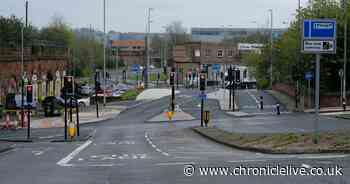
(281, 143)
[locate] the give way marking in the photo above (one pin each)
(64, 161)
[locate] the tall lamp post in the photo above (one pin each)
(22, 64)
(148, 45)
(345, 6)
(271, 47)
(104, 52)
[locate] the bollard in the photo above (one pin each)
(261, 103)
(278, 109)
(72, 130)
(206, 118)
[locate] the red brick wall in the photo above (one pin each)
(325, 100)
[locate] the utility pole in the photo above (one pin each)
(104, 52)
(117, 62)
(297, 93)
(148, 45)
(271, 47)
(22, 65)
(345, 5)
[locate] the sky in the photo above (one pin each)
(131, 15)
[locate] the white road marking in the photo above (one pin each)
(37, 153)
(254, 98)
(306, 166)
(174, 163)
(154, 146)
(244, 161)
(64, 161)
(322, 156)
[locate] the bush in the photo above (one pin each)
(130, 95)
(262, 83)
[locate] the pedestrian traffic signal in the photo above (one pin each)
(29, 94)
(172, 78)
(68, 84)
(202, 82)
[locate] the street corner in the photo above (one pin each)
(6, 146)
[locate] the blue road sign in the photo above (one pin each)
(202, 96)
(309, 75)
(215, 67)
(319, 29)
(135, 68)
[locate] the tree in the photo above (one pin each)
(177, 33)
(10, 32)
(58, 31)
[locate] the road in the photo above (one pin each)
(129, 150)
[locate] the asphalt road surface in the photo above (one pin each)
(129, 150)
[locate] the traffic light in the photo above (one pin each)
(68, 84)
(202, 82)
(172, 78)
(238, 75)
(29, 94)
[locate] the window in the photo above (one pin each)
(220, 53)
(230, 53)
(207, 52)
(196, 53)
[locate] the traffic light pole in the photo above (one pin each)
(65, 113)
(28, 128)
(202, 84)
(233, 90)
(230, 86)
(173, 97)
(202, 109)
(78, 124)
(96, 97)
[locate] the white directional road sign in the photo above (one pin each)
(319, 36)
(319, 46)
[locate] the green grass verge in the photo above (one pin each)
(152, 77)
(290, 143)
(131, 94)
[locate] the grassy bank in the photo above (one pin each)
(281, 143)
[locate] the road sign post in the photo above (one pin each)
(29, 102)
(202, 89)
(319, 37)
(172, 84)
(309, 76)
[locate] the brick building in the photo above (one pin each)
(195, 56)
(44, 67)
(130, 51)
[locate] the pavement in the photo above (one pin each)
(128, 149)
(222, 95)
(154, 94)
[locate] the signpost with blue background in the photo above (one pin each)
(319, 37)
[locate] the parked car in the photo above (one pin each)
(86, 90)
(52, 106)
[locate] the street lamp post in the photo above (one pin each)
(345, 5)
(22, 64)
(104, 52)
(148, 46)
(271, 47)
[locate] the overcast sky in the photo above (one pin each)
(130, 15)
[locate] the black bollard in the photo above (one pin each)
(278, 109)
(261, 103)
